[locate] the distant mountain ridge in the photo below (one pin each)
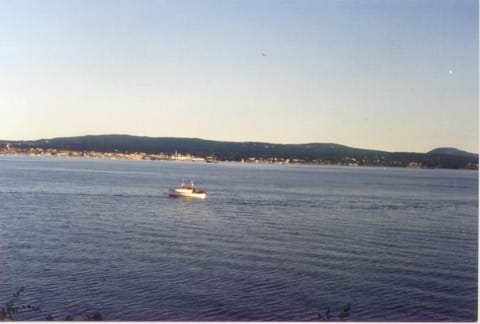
(320, 153)
(450, 151)
(196, 146)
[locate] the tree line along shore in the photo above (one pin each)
(198, 150)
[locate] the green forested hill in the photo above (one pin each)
(235, 151)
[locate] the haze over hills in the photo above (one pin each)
(321, 153)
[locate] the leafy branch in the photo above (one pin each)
(13, 307)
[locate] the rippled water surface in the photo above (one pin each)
(269, 242)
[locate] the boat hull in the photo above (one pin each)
(182, 193)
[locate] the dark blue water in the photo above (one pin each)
(268, 243)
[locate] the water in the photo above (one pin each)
(269, 242)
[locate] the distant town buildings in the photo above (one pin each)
(11, 149)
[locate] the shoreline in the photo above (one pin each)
(93, 155)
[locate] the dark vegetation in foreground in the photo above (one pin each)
(316, 153)
(331, 316)
(14, 306)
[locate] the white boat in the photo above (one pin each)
(187, 191)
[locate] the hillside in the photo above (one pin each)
(199, 147)
(451, 151)
(320, 153)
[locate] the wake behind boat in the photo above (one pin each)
(187, 191)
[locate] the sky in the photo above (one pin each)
(396, 75)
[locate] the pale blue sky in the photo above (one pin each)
(395, 75)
